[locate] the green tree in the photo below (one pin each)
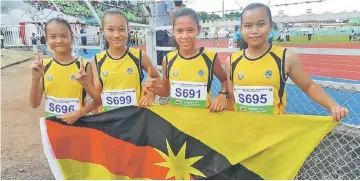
(203, 15)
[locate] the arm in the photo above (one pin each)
(37, 71)
(302, 80)
(146, 64)
(314, 91)
(36, 92)
(220, 74)
(159, 86)
(170, 8)
(219, 102)
(231, 100)
(90, 88)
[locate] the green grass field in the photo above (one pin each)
(317, 39)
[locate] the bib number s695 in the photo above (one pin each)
(188, 94)
(254, 99)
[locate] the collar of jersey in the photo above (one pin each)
(64, 64)
(253, 59)
(190, 58)
(122, 56)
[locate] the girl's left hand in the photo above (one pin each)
(71, 117)
(147, 100)
(338, 112)
(219, 104)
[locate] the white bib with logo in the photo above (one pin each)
(254, 99)
(188, 94)
(60, 106)
(112, 99)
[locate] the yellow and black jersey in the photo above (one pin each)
(197, 70)
(62, 91)
(124, 73)
(259, 82)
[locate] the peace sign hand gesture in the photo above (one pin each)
(81, 76)
(37, 67)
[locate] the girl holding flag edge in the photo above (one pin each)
(257, 75)
(64, 79)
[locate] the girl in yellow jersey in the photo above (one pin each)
(117, 71)
(188, 71)
(257, 75)
(65, 80)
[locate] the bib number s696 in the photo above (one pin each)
(60, 106)
(254, 99)
(188, 94)
(113, 99)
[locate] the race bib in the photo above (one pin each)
(254, 99)
(60, 106)
(188, 94)
(113, 99)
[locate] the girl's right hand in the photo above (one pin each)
(37, 67)
(150, 83)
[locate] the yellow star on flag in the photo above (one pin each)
(179, 166)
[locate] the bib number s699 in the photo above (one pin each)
(254, 99)
(113, 99)
(188, 94)
(60, 106)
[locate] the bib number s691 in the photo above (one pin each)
(254, 99)
(188, 94)
(118, 98)
(60, 106)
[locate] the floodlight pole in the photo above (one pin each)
(93, 12)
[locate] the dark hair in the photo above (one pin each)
(178, 3)
(257, 5)
(61, 21)
(114, 12)
(187, 12)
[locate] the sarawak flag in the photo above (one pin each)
(164, 142)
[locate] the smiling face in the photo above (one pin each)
(185, 31)
(115, 30)
(255, 26)
(58, 37)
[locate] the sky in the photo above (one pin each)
(293, 10)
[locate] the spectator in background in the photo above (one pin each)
(178, 5)
(2, 37)
(164, 13)
(83, 38)
(136, 38)
(287, 33)
(352, 34)
(34, 42)
(43, 44)
(310, 34)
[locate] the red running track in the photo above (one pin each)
(333, 66)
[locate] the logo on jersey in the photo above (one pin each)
(105, 73)
(175, 73)
(268, 74)
(129, 70)
(50, 77)
(201, 73)
(72, 77)
(240, 75)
